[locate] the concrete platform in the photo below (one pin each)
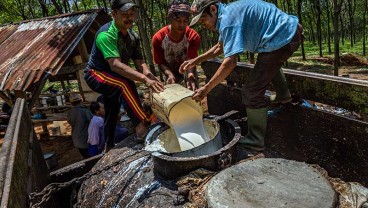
(270, 182)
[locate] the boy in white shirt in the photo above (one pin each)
(94, 127)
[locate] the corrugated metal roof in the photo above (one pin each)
(32, 48)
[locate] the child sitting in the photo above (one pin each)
(94, 139)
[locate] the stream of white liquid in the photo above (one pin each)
(188, 124)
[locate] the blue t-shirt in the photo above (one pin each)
(255, 26)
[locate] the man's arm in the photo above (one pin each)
(211, 53)
(223, 71)
(170, 78)
(142, 67)
(124, 70)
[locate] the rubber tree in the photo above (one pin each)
(145, 40)
(337, 10)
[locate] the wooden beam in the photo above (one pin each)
(80, 85)
(37, 92)
(82, 49)
(67, 93)
(71, 69)
(6, 99)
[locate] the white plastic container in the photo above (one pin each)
(61, 125)
(177, 109)
(163, 102)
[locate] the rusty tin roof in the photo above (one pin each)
(32, 49)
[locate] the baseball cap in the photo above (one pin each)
(197, 9)
(75, 98)
(122, 5)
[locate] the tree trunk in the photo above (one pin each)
(342, 31)
(145, 40)
(57, 7)
(252, 59)
(312, 37)
(66, 6)
(300, 21)
(44, 9)
(30, 6)
(84, 5)
(364, 23)
(351, 21)
(76, 5)
(275, 2)
(337, 10)
(317, 8)
(162, 14)
(105, 5)
(328, 27)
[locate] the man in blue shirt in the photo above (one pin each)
(258, 27)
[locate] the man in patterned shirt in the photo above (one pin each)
(175, 43)
(108, 71)
(258, 27)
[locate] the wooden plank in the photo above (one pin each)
(80, 85)
(37, 92)
(67, 93)
(82, 49)
(22, 167)
(57, 107)
(71, 69)
(61, 77)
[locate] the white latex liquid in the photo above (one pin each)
(188, 125)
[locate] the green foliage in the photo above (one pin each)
(153, 14)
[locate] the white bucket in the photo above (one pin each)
(61, 125)
(163, 102)
(60, 100)
(177, 109)
(44, 102)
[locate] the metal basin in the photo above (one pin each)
(161, 139)
(170, 166)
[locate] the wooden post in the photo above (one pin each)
(82, 49)
(5, 98)
(80, 85)
(64, 91)
(36, 93)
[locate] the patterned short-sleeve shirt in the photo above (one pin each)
(174, 53)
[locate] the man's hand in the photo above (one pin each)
(154, 85)
(200, 93)
(191, 83)
(186, 65)
(151, 76)
(170, 79)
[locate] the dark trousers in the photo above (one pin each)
(116, 91)
(84, 153)
(265, 69)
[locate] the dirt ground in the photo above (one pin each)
(352, 65)
(62, 146)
